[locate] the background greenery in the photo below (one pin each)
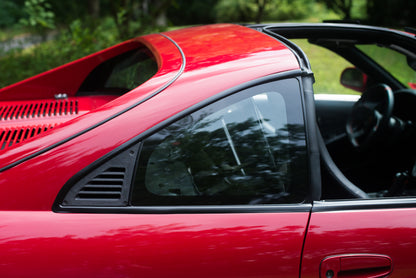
(37, 35)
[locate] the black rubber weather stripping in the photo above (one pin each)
(311, 137)
(360, 204)
(300, 55)
(182, 68)
(293, 208)
(304, 207)
(304, 241)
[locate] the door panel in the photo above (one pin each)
(388, 233)
(46, 244)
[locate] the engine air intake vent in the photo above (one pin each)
(39, 108)
(12, 136)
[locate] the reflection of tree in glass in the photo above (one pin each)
(248, 165)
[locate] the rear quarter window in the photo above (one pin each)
(121, 74)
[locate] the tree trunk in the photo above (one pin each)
(94, 8)
(261, 6)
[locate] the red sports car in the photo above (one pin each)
(203, 152)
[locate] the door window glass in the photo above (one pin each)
(245, 149)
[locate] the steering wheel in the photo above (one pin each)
(370, 115)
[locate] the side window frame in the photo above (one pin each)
(312, 183)
(143, 193)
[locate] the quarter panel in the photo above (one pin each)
(45, 244)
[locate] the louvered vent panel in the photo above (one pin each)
(36, 109)
(106, 186)
(11, 136)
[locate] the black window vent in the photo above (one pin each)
(104, 185)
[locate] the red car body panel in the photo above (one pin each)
(106, 245)
(198, 245)
(194, 65)
(166, 73)
(217, 74)
(216, 71)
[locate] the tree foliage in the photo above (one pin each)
(395, 13)
(10, 12)
(261, 10)
(342, 7)
(235, 10)
(39, 15)
(134, 17)
(185, 12)
(86, 26)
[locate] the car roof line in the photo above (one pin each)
(297, 51)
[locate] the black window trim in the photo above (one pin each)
(214, 101)
(364, 204)
(292, 208)
(315, 205)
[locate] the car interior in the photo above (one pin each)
(367, 134)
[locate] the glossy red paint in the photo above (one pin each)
(128, 245)
(195, 64)
(388, 232)
(216, 72)
(99, 245)
(167, 72)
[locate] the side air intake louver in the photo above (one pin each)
(104, 185)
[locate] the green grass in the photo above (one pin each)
(394, 62)
(328, 66)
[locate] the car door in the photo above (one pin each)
(219, 191)
(154, 244)
(374, 237)
(361, 238)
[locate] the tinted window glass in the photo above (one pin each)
(121, 73)
(246, 149)
(131, 71)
